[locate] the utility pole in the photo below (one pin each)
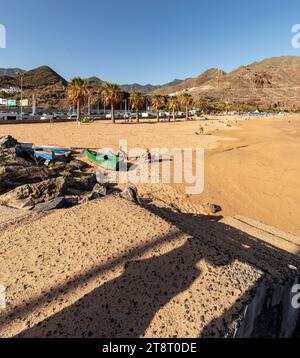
(21, 114)
(21, 102)
(33, 105)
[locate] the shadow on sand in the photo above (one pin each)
(125, 306)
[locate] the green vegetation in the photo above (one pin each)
(157, 103)
(78, 93)
(86, 120)
(173, 105)
(186, 100)
(207, 107)
(137, 100)
(111, 94)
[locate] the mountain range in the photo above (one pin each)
(10, 72)
(45, 76)
(271, 82)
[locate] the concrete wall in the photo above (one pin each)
(270, 314)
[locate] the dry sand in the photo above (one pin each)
(251, 169)
(111, 268)
(258, 175)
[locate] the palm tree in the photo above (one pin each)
(111, 94)
(186, 100)
(157, 102)
(137, 100)
(203, 106)
(93, 95)
(173, 104)
(78, 93)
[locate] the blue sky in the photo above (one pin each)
(145, 41)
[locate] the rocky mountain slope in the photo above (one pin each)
(10, 72)
(133, 87)
(272, 82)
(42, 76)
(190, 83)
(36, 78)
(48, 86)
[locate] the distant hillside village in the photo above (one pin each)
(10, 90)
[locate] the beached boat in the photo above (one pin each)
(53, 148)
(107, 160)
(50, 152)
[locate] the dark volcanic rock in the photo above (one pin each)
(8, 142)
(98, 192)
(28, 195)
(131, 194)
(212, 208)
(78, 164)
(43, 185)
(56, 203)
(82, 183)
(12, 176)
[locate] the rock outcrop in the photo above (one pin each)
(28, 183)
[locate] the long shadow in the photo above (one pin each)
(278, 267)
(125, 306)
(227, 239)
(80, 279)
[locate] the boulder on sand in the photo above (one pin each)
(212, 208)
(82, 183)
(28, 183)
(78, 164)
(29, 195)
(18, 166)
(8, 142)
(12, 176)
(131, 194)
(57, 203)
(98, 192)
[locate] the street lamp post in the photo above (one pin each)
(21, 103)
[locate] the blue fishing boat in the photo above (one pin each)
(49, 152)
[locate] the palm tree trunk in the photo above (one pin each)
(113, 114)
(78, 111)
(174, 119)
(187, 113)
(89, 106)
(157, 117)
(137, 116)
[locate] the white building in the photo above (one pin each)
(10, 90)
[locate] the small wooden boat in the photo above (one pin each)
(51, 152)
(52, 148)
(106, 160)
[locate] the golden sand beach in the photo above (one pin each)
(251, 168)
(110, 268)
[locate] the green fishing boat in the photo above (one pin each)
(109, 161)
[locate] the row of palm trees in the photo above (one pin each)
(111, 94)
